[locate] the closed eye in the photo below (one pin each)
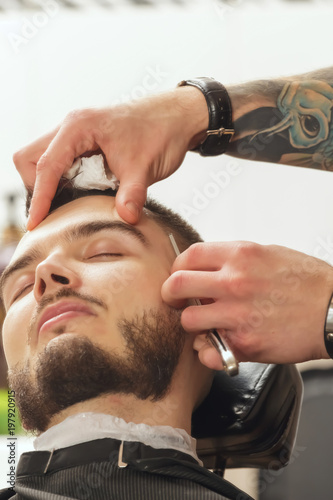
(22, 291)
(105, 254)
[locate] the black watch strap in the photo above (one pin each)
(328, 334)
(220, 128)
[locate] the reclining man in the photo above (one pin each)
(102, 370)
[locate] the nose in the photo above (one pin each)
(52, 274)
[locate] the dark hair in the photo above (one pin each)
(169, 220)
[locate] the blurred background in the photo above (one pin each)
(58, 55)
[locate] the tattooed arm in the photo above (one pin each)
(288, 120)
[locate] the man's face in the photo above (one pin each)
(89, 285)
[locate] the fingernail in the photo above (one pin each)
(133, 208)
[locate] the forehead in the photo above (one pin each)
(85, 210)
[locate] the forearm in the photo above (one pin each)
(287, 120)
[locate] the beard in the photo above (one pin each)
(77, 370)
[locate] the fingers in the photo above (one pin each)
(57, 159)
(48, 174)
(208, 355)
(213, 256)
(46, 184)
(206, 317)
(203, 256)
(26, 158)
(191, 285)
(131, 195)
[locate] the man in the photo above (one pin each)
(102, 370)
(285, 120)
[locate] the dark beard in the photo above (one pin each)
(77, 370)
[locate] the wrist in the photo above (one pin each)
(243, 102)
(220, 126)
(194, 114)
(247, 97)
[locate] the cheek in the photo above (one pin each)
(131, 288)
(111, 283)
(14, 333)
(145, 293)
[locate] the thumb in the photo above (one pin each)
(207, 353)
(210, 357)
(131, 197)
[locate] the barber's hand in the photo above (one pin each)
(269, 302)
(143, 142)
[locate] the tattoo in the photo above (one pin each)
(297, 129)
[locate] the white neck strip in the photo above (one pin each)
(88, 426)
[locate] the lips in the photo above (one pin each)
(62, 311)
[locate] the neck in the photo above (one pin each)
(129, 408)
(190, 384)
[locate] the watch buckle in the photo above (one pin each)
(221, 131)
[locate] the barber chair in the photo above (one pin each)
(249, 420)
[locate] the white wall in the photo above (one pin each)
(95, 58)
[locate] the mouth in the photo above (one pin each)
(62, 312)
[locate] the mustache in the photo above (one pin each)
(60, 294)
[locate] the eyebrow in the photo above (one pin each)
(74, 233)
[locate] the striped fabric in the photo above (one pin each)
(105, 480)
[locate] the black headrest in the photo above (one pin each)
(249, 420)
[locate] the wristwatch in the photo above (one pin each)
(220, 129)
(328, 333)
